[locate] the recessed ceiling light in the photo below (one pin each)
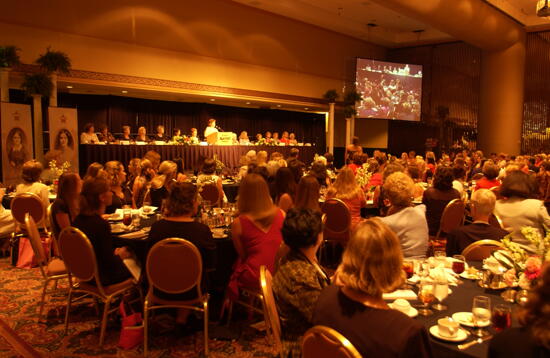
(124, 91)
(306, 108)
(278, 105)
(212, 99)
(247, 102)
(69, 86)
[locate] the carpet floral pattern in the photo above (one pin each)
(19, 304)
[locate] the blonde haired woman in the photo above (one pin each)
(256, 233)
(371, 266)
(160, 184)
(117, 179)
(408, 222)
(346, 189)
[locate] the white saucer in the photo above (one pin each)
(413, 312)
(466, 319)
(460, 336)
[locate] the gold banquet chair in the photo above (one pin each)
(452, 218)
(336, 225)
(174, 266)
(51, 270)
(271, 315)
(325, 342)
(28, 203)
(80, 260)
(482, 249)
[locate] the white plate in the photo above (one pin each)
(469, 277)
(115, 217)
(460, 336)
(466, 319)
(413, 312)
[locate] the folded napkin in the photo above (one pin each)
(134, 235)
(441, 273)
(404, 294)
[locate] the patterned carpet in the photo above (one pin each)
(19, 299)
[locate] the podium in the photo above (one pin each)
(222, 138)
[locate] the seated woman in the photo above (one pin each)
(490, 173)
(104, 135)
(142, 135)
(438, 196)
(162, 182)
(408, 222)
(284, 138)
(95, 196)
(30, 174)
(160, 135)
(93, 170)
(7, 223)
(243, 138)
(414, 172)
(134, 169)
(292, 139)
(194, 137)
(179, 210)
(256, 234)
(346, 189)
(122, 195)
(319, 171)
(307, 194)
(180, 172)
(284, 188)
(371, 265)
(143, 182)
(65, 207)
(89, 136)
(517, 210)
(299, 278)
(208, 176)
(532, 339)
(125, 136)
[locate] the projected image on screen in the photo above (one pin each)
(389, 90)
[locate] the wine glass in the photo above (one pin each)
(458, 264)
(481, 310)
(441, 291)
(502, 317)
(127, 218)
(426, 296)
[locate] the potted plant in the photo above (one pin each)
(8, 58)
(331, 95)
(351, 97)
(54, 63)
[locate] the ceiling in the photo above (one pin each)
(387, 27)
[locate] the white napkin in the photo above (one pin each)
(441, 273)
(404, 294)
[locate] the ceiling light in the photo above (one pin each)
(124, 91)
(212, 99)
(279, 105)
(542, 8)
(306, 108)
(69, 86)
(247, 102)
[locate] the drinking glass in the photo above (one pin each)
(423, 269)
(440, 257)
(426, 296)
(502, 317)
(127, 218)
(458, 264)
(481, 310)
(136, 220)
(441, 291)
(408, 267)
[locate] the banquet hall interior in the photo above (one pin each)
(275, 178)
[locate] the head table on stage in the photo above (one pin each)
(192, 155)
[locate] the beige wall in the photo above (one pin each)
(372, 133)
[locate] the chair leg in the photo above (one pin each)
(145, 329)
(44, 289)
(68, 308)
(104, 321)
(205, 306)
(229, 312)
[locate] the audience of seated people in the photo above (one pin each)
(345, 188)
(482, 205)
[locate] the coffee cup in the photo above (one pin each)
(401, 305)
(447, 327)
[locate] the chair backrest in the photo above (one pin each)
(78, 254)
(321, 342)
(453, 216)
(51, 222)
(271, 316)
(211, 193)
(337, 216)
(27, 203)
(482, 249)
(174, 266)
(36, 242)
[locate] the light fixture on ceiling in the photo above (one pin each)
(69, 86)
(279, 105)
(212, 99)
(542, 8)
(247, 102)
(124, 91)
(418, 33)
(306, 108)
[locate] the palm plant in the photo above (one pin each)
(37, 83)
(9, 56)
(54, 62)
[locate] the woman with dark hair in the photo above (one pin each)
(516, 209)
(372, 265)
(319, 171)
(95, 169)
(16, 148)
(65, 207)
(532, 339)
(299, 279)
(30, 174)
(307, 194)
(180, 172)
(95, 196)
(284, 188)
(490, 173)
(352, 149)
(89, 136)
(64, 142)
(117, 179)
(438, 196)
(208, 176)
(180, 208)
(104, 135)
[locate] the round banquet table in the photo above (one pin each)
(460, 300)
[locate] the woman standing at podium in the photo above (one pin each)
(211, 128)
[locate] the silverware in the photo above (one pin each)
(474, 342)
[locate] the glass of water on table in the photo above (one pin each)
(481, 310)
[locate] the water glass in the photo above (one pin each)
(440, 257)
(481, 310)
(502, 317)
(441, 291)
(426, 296)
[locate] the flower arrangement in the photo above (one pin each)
(58, 171)
(261, 141)
(219, 164)
(524, 266)
(363, 175)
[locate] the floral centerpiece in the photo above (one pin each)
(219, 164)
(363, 175)
(58, 171)
(523, 266)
